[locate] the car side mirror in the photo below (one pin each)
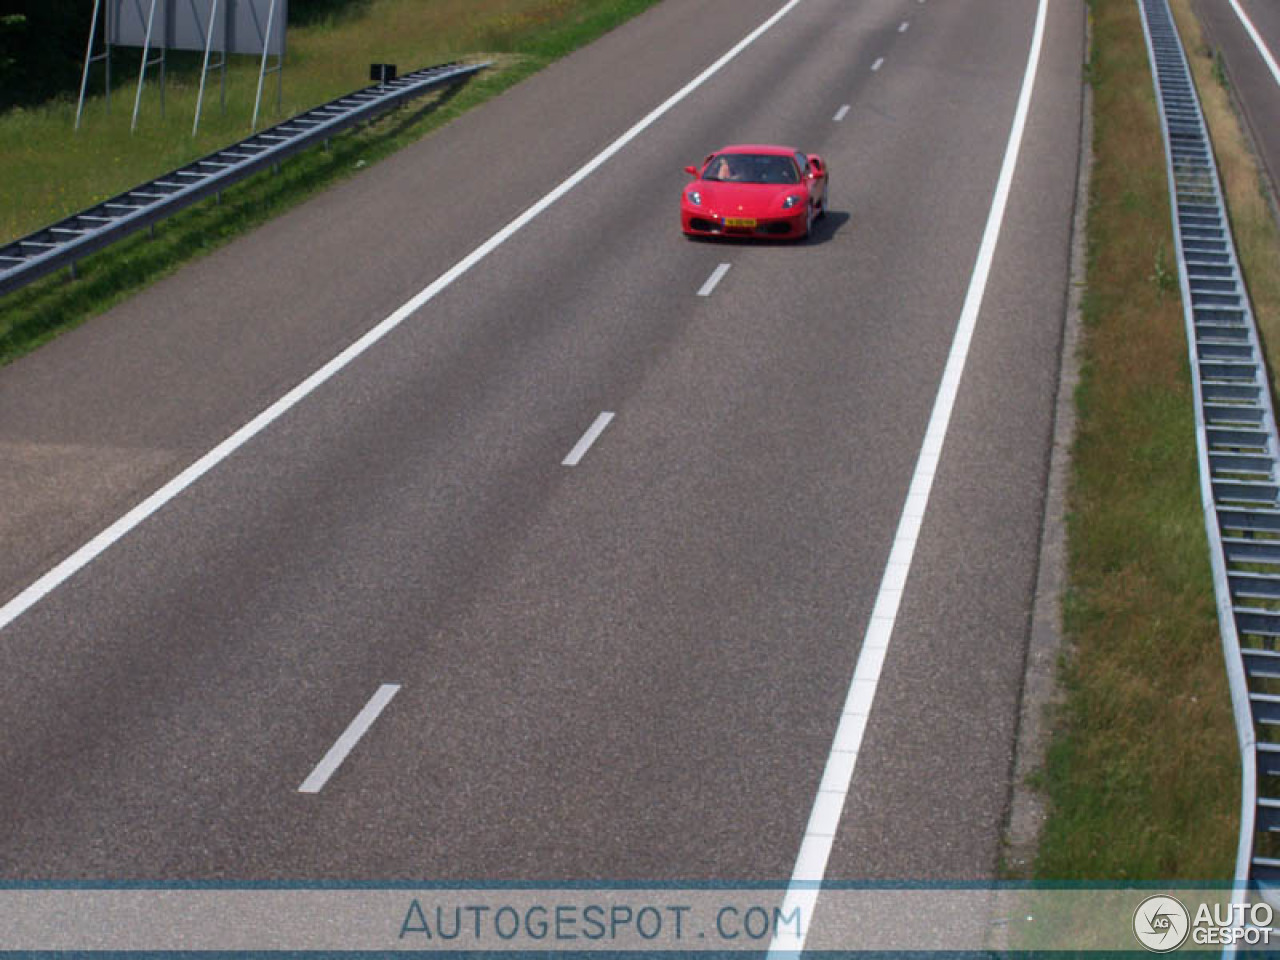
(691, 171)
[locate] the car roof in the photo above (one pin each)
(765, 148)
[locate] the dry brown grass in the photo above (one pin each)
(1253, 221)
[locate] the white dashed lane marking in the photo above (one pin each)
(716, 276)
(350, 737)
(582, 446)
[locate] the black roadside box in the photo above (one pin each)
(382, 72)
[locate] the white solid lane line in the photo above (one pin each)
(877, 65)
(583, 445)
(828, 806)
(716, 276)
(350, 737)
(1257, 40)
(82, 557)
(841, 113)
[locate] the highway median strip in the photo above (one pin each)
(1143, 679)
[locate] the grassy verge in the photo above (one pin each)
(1142, 776)
(50, 173)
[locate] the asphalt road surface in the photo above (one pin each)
(1247, 34)
(628, 668)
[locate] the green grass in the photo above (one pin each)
(1143, 774)
(50, 172)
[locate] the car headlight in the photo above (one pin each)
(791, 201)
(695, 198)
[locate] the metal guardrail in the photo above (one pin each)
(69, 240)
(1237, 442)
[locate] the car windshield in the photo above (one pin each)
(752, 168)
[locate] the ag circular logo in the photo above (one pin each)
(1161, 923)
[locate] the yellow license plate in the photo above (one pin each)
(739, 222)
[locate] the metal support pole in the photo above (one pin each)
(142, 72)
(204, 69)
(164, 75)
(88, 59)
(108, 20)
(262, 71)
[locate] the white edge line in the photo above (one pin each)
(584, 443)
(1257, 40)
(716, 276)
(81, 558)
(841, 113)
(350, 737)
(824, 818)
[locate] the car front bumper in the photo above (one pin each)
(697, 223)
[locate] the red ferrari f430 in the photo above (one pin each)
(754, 190)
